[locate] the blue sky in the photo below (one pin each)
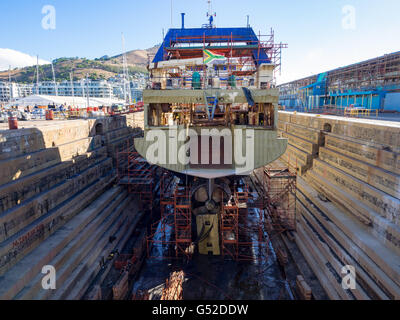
(313, 29)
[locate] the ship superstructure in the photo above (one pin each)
(209, 84)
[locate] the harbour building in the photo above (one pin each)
(372, 84)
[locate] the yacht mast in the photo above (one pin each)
(9, 82)
(54, 80)
(72, 86)
(37, 74)
(87, 90)
(127, 83)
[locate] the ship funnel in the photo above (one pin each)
(183, 20)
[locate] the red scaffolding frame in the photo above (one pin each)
(229, 230)
(183, 220)
(166, 203)
(134, 172)
(176, 220)
(166, 194)
(242, 238)
(280, 185)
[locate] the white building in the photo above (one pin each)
(10, 91)
(136, 88)
(112, 89)
(45, 88)
(25, 90)
(96, 89)
(7, 91)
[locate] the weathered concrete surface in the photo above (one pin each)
(328, 239)
(20, 276)
(18, 217)
(375, 131)
(356, 239)
(379, 156)
(313, 135)
(14, 193)
(387, 206)
(304, 145)
(348, 208)
(298, 158)
(50, 171)
(374, 176)
(54, 133)
(384, 230)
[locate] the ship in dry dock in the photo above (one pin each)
(188, 214)
(211, 114)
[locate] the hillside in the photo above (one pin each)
(100, 68)
(137, 57)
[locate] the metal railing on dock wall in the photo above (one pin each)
(342, 111)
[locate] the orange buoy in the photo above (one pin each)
(13, 123)
(49, 115)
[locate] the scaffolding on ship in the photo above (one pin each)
(171, 236)
(242, 235)
(242, 238)
(137, 174)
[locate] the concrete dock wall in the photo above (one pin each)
(56, 180)
(348, 200)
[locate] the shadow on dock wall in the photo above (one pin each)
(50, 174)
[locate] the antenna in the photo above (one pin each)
(210, 14)
(127, 84)
(171, 15)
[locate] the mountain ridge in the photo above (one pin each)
(97, 69)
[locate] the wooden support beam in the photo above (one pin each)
(303, 288)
